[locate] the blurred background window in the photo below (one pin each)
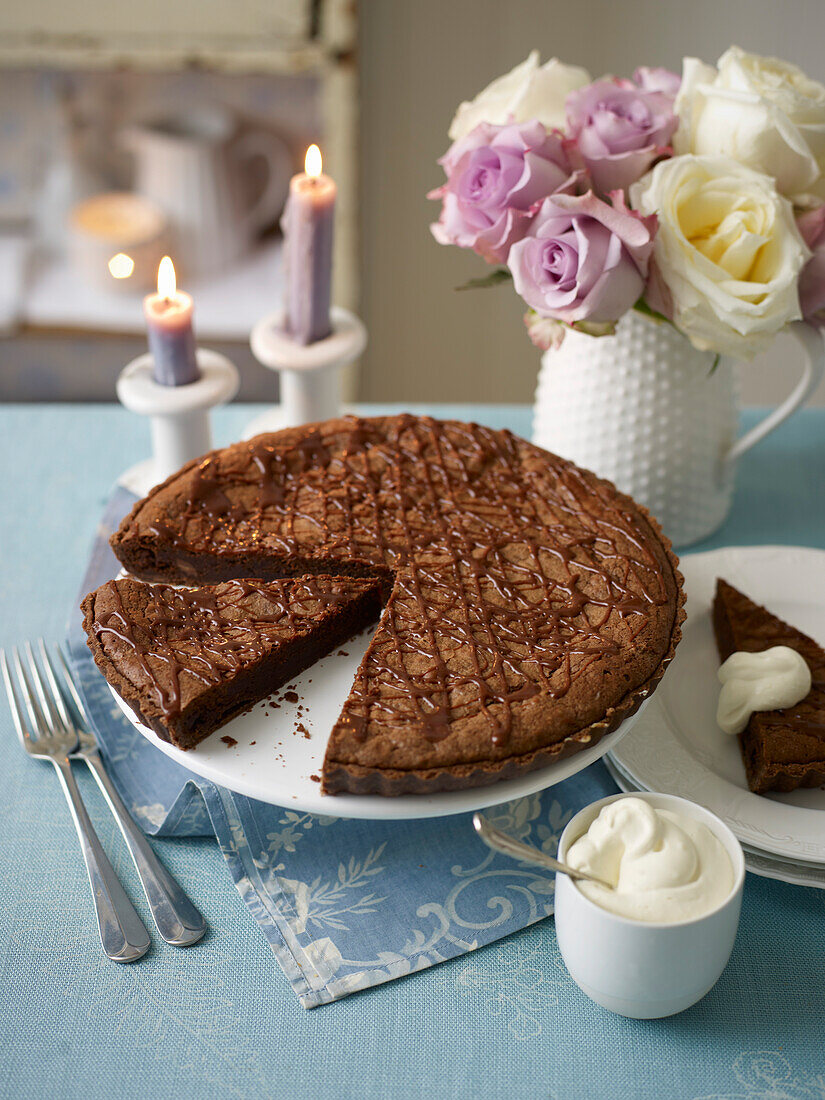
(126, 127)
(131, 131)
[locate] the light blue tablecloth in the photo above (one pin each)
(345, 905)
(218, 1020)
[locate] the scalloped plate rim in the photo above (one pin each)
(757, 861)
(775, 827)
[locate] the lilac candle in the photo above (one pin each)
(308, 223)
(169, 329)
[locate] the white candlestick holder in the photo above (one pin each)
(179, 415)
(309, 373)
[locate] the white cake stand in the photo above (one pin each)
(274, 760)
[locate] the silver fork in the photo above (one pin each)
(177, 919)
(122, 932)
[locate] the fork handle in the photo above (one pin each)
(122, 932)
(178, 920)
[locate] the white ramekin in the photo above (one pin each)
(640, 968)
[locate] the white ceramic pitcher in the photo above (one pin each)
(646, 410)
(191, 165)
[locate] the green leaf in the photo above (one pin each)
(594, 328)
(715, 364)
(642, 307)
(500, 275)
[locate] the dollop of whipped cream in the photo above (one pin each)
(771, 680)
(664, 866)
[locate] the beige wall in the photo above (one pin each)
(418, 59)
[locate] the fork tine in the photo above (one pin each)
(48, 710)
(56, 693)
(14, 705)
(35, 714)
(68, 680)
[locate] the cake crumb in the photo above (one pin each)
(291, 696)
(343, 653)
(230, 742)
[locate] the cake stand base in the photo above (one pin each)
(309, 374)
(140, 478)
(271, 420)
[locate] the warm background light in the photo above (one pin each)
(121, 266)
(167, 284)
(312, 163)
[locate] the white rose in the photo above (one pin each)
(763, 112)
(529, 92)
(727, 249)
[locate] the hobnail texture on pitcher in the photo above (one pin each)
(647, 411)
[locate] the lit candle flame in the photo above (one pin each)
(312, 163)
(121, 266)
(167, 285)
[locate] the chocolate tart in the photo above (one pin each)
(530, 606)
(188, 660)
(782, 749)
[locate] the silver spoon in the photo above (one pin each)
(501, 842)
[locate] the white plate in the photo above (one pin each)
(676, 746)
(274, 761)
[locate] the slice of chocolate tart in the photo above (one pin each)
(188, 660)
(782, 749)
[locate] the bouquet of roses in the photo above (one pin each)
(697, 199)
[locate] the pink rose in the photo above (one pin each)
(658, 80)
(583, 260)
(495, 175)
(620, 130)
(812, 277)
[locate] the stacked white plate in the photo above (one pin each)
(676, 747)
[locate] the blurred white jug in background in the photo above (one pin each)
(192, 165)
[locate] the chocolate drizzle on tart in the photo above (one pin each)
(188, 660)
(781, 749)
(530, 607)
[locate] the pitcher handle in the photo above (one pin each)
(814, 367)
(258, 143)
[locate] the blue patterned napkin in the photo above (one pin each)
(344, 904)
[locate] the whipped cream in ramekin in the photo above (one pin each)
(776, 678)
(665, 867)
